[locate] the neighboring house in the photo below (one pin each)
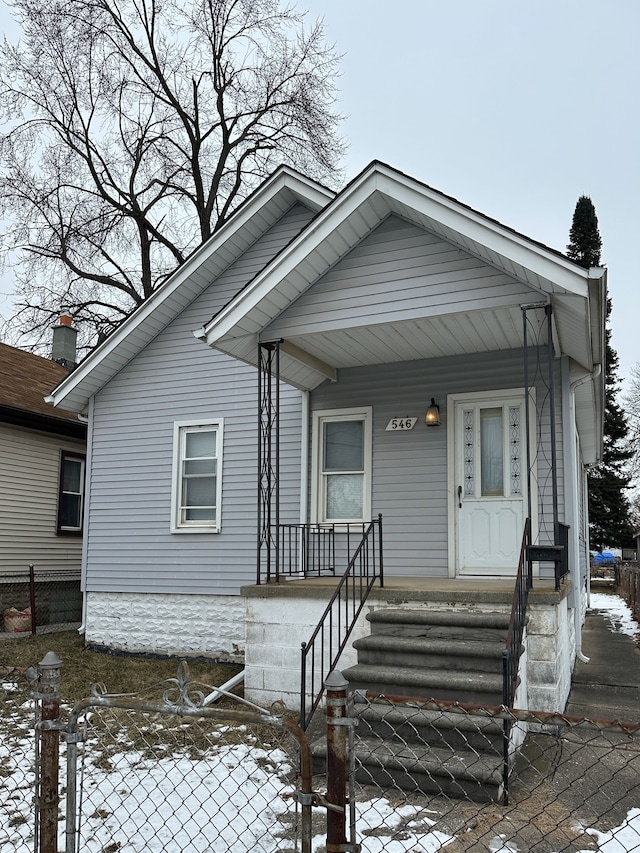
(371, 306)
(42, 460)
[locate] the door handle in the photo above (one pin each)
(459, 497)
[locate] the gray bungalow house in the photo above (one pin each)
(381, 378)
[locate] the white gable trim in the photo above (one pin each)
(252, 219)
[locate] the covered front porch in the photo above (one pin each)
(396, 302)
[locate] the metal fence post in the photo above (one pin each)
(336, 686)
(48, 795)
(32, 598)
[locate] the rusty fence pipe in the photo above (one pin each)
(336, 696)
(32, 598)
(48, 794)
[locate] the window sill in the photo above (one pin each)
(195, 530)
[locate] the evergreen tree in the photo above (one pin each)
(585, 244)
(609, 510)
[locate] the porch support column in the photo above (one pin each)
(527, 430)
(268, 460)
(552, 417)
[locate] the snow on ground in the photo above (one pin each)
(616, 611)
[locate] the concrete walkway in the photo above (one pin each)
(608, 687)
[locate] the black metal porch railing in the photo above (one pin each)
(513, 648)
(316, 550)
(320, 654)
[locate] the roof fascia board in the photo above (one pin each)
(284, 179)
(42, 423)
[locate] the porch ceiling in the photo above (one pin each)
(384, 343)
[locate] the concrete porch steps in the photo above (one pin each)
(445, 655)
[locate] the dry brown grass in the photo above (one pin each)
(118, 673)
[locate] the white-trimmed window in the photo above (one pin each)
(71, 492)
(197, 477)
(341, 471)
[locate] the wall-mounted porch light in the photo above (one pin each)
(432, 418)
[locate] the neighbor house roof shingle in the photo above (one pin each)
(25, 380)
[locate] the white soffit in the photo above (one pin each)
(255, 216)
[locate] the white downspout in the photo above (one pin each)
(224, 689)
(85, 513)
(577, 609)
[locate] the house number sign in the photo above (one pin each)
(397, 424)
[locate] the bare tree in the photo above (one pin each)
(631, 402)
(133, 130)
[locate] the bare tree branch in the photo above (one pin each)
(133, 128)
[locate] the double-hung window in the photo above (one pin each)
(71, 492)
(197, 480)
(341, 475)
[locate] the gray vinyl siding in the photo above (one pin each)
(398, 272)
(177, 377)
(409, 478)
(30, 465)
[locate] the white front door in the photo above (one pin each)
(490, 483)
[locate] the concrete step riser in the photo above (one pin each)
(453, 662)
(440, 632)
(433, 735)
(434, 691)
(444, 618)
(429, 784)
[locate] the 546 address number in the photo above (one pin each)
(397, 424)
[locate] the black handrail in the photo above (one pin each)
(320, 654)
(562, 565)
(513, 648)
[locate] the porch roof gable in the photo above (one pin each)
(378, 192)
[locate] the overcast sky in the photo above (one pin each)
(515, 108)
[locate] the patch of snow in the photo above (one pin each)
(623, 839)
(499, 845)
(617, 611)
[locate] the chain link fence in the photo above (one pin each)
(19, 715)
(426, 775)
(168, 769)
(39, 601)
(152, 781)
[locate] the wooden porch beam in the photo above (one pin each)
(304, 357)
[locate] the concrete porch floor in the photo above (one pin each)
(403, 589)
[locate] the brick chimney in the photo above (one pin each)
(64, 341)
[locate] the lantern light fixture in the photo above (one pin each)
(432, 418)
